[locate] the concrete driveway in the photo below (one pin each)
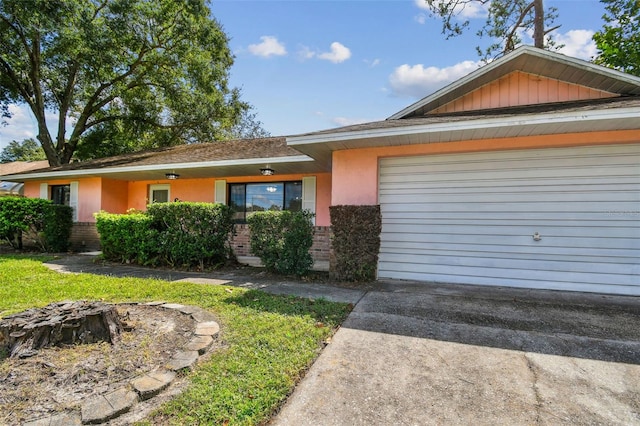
(420, 354)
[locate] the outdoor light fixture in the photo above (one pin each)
(172, 176)
(267, 171)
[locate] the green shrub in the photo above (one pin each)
(48, 223)
(282, 239)
(56, 232)
(192, 234)
(128, 237)
(356, 242)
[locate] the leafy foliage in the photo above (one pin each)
(48, 223)
(505, 22)
(356, 242)
(192, 234)
(128, 238)
(177, 234)
(282, 239)
(147, 70)
(619, 40)
(27, 150)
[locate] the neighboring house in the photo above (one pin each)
(16, 167)
(524, 173)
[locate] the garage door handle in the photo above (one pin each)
(537, 237)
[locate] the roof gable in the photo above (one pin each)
(519, 89)
(593, 80)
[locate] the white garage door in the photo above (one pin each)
(550, 218)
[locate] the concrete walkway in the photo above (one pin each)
(420, 354)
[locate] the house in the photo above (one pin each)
(524, 173)
(16, 167)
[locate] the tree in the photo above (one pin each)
(506, 21)
(27, 150)
(248, 127)
(619, 40)
(158, 66)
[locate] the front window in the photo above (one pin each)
(247, 198)
(159, 193)
(61, 194)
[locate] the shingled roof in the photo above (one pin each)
(223, 158)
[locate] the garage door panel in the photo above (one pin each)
(601, 207)
(475, 214)
(516, 274)
(525, 264)
(389, 215)
(517, 231)
(629, 256)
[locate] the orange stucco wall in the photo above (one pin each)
(355, 171)
(203, 190)
(114, 196)
(89, 195)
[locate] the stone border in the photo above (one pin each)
(102, 408)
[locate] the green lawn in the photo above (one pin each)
(270, 340)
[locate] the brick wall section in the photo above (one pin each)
(319, 250)
(84, 237)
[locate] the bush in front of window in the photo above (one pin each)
(56, 231)
(282, 239)
(355, 242)
(49, 225)
(192, 234)
(128, 238)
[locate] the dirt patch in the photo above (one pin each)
(59, 379)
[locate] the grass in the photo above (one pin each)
(269, 340)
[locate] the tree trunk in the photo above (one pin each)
(538, 24)
(64, 323)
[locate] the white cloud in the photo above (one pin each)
(346, 121)
(577, 43)
(270, 46)
(465, 10)
(372, 63)
(339, 53)
(21, 125)
(419, 81)
(420, 18)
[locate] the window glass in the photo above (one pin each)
(247, 198)
(237, 201)
(293, 196)
(61, 194)
(159, 193)
(160, 196)
(264, 197)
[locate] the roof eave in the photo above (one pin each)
(321, 146)
(132, 171)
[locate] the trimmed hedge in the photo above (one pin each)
(128, 238)
(356, 242)
(48, 223)
(178, 234)
(193, 234)
(282, 239)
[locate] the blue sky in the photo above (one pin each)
(309, 65)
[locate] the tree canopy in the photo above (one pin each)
(151, 69)
(506, 21)
(618, 42)
(27, 150)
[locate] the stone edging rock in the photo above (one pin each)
(102, 408)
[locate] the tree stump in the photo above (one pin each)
(57, 324)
